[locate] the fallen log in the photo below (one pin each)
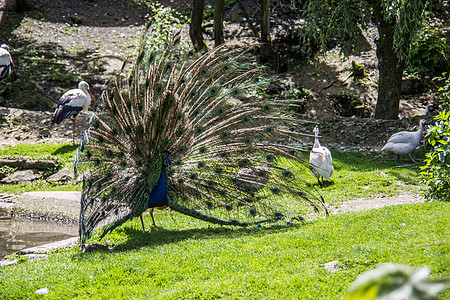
(28, 163)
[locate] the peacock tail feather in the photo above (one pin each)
(193, 132)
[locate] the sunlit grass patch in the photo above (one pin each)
(62, 153)
(190, 259)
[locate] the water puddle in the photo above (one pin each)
(17, 233)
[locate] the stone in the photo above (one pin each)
(42, 291)
(21, 176)
(64, 205)
(332, 266)
(27, 163)
(64, 175)
(44, 132)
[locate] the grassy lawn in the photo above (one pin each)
(356, 174)
(191, 259)
(63, 153)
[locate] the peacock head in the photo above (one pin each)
(422, 122)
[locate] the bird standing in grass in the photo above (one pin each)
(320, 160)
(179, 130)
(71, 104)
(6, 61)
(405, 142)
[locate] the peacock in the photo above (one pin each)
(196, 133)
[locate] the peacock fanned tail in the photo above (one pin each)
(196, 134)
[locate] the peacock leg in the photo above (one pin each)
(142, 222)
(151, 214)
(412, 158)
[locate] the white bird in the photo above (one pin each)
(5, 61)
(404, 142)
(320, 160)
(71, 103)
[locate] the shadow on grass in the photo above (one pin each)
(65, 149)
(358, 161)
(136, 238)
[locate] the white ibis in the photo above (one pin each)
(320, 160)
(71, 103)
(5, 61)
(404, 142)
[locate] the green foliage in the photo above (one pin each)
(342, 21)
(444, 89)
(299, 93)
(336, 21)
(190, 259)
(161, 25)
(436, 171)
(300, 96)
(358, 70)
(349, 104)
(395, 281)
(6, 87)
(428, 53)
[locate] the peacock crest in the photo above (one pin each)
(196, 133)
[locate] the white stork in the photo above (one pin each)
(71, 103)
(320, 160)
(5, 61)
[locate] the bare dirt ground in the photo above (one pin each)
(59, 43)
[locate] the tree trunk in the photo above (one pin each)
(265, 30)
(195, 29)
(218, 22)
(390, 69)
(265, 21)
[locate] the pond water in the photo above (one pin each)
(18, 233)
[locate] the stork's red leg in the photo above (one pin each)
(73, 131)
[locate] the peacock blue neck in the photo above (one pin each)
(158, 195)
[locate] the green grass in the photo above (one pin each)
(63, 153)
(363, 175)
(191, 259)
(356, 174)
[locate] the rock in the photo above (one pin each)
(6, 262)
(54, 204)
(76, 19)
(332, 266)
(63, 175)
(26, 163)
(21, 176)
(47, 248)
(42, 291)
(44, 132)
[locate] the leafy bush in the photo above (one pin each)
(428, 53)
(299, 96)
(445, 90)
(436, 172)
(164, 20)
(349, 104)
